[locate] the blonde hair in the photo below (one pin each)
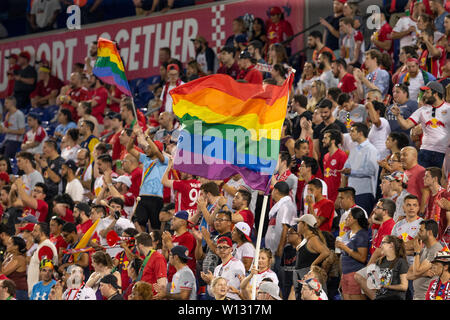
(144, 290)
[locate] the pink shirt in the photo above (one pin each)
(415, 180)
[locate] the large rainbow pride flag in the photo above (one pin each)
(109, 66)
(229, 127)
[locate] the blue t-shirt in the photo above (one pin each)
(152, 175)
(406, 110)
(41, 292)
(359, 240)
(64, 128)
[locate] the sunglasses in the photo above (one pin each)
(223, 247)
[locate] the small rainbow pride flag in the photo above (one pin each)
(229, 127)
(109, 66)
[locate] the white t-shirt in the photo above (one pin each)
(328, 78)
(435, 129)
(44, 10)
(265, 274)
(31, 179)
(378, 136)
(403, 24)
(230, 272)
(121, 225)
(70, 153)
(414, 86)
(169, 100)
(246, 250)
(304, 87)
(75, 189)
(86, 293)
(284, 216)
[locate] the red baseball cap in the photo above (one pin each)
(275, 10)
(12, 55)
(160, 145)
(342, 1)
(26, 55)
(4, 176)
(225, 240)
(28, 227)
(173, 66)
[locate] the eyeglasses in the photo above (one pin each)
(222, 247)
(221, 220)
(378, 207)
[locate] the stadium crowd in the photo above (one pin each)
(359, 205)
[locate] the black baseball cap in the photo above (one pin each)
(181, 251)
(110, 279)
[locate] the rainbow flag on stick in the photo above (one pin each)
(109, 66)
(230, 127)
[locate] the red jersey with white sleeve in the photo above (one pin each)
(435, 122)
(187, 240)
(187, 192)
(35, 136)
(332, 177)
(433, 65)
(384, 34)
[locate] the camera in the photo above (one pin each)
(116, 215)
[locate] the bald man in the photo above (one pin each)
(415, 173)
(167, 130)
(131, 166)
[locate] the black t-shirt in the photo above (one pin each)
(390, 272)
(22, 87)
(296, 128)
(11, 217)
(319, 133)
(55, 166)
(331, 41)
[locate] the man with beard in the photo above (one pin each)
(72, 94)
(91, 58)
(70, 235)
(415, 78)
(86, 132)
(315, 43)
(434, 117)
(333, 162)
(328, 122)
(347, 82)
(325, 58)
(98, 98)
(73, 187)
(45, 250)
(104, 165)
(154, 266)
(84, 172)
(81, 213)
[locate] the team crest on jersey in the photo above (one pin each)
(333, 162)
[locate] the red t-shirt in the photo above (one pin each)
(384, 34)
(69, 216)
(248, 216)
(83, 227)
(43, 90)
(78, 94)
(40, 213)
(325, 208)
(116, 93)
(187, 192)
(136, 177)
(347, 83)
(332, 176)
(155, 269)
(59, 242)
(251, 75)
(117, 148)
(100, 95)
(187, 240)
(384, 230)
(415, 181)
(278, 32)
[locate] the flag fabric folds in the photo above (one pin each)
(229, 127)
(109, 66)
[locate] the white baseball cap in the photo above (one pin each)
(245, 229)
(123, 179)
(309, 219)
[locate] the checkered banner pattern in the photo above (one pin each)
(218, 36)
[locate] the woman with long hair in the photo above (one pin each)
(141, 291)
(276, 54)
(245, 250)
(351, 10)
(69, 144)
(393, 268)
(354, 246)
(309, 75)
(133, 270)
(318, 93)
(312, 251)
(279, 73)
(259, 33)
(103, 265)
(395, 142)
(15, 265)
(287, 143)
(194, 70)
